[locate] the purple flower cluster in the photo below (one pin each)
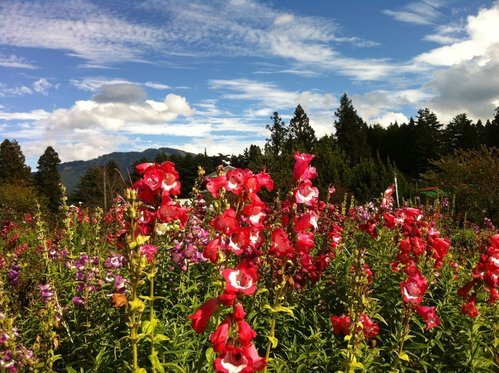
(46, 293)
(13, 274)
(190, 248)
(13, 356)
(87, 276)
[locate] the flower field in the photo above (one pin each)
(235, 281)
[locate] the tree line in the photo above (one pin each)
(356, 158)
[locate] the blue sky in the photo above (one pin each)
(92, 77)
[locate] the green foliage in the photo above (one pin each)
(472, 177)
(17, 200)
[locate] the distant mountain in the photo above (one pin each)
(71, 172)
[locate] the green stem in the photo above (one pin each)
(404, 332)
(151, 312)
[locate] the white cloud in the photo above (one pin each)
(420, 13)
(158, 86)
(284, 19)
(6, 91)
(78, 27)
(16, 62)
(482, 35)
(42, 86)
(33, 115)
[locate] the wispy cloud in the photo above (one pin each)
(420, 13)
(16, 62)
(78, 27)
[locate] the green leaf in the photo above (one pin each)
(149, 326)
(160, 338)
(153, 358)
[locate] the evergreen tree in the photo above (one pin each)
(351, 131)
(99, 186)
(301, 134)
(276, 145)
(491, 130)
(12, 164)
(460, 133)
(428, 140)
(48, 180)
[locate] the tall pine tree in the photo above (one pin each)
(301, 134)
(351, 131)
(47, 179)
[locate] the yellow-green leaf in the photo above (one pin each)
(404, 356)
(273, 340)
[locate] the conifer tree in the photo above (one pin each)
(351, 131)
(12, 164)
(301, 134)
(47, 179)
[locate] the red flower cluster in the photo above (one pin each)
(342, 325)
(421, 240)
(485, 273)
(159, 182)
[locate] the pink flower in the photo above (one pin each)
(429, 316)
(149, 252)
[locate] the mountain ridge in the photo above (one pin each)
(72, 171)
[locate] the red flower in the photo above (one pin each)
(220, 336)
(226, 223)
(306, 193)
(429, 316)
(239, 241)
(369, 327)
(215, 184)
(238, 312)
(211, 250)
(242, 279)
(414, 287)
(280, 243)
(305, 221)
(255, 213)
(233, 360)
(469, 308)
(235, 181)
(201, 317)
(341, 324)
(302, 169)
(304, 242)
(245, 333)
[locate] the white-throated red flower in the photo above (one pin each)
(242, 279)
(414, 288)
(306, 193)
